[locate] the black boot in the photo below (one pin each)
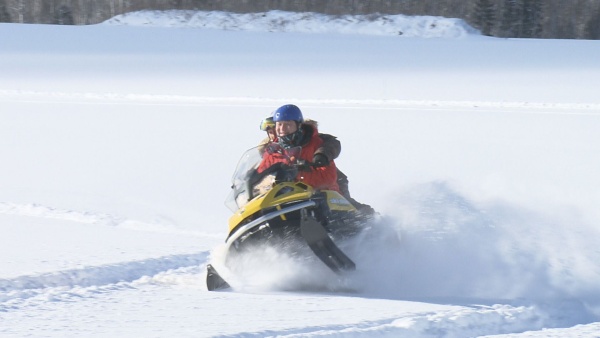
(364, 209)
(343, 184)
(342, 181)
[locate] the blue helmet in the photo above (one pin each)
(289, 112)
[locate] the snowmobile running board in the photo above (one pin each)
(268, 217)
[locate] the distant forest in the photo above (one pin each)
(558, 19)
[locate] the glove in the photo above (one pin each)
(320, 160)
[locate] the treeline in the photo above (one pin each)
(564, 19)
(572, 19)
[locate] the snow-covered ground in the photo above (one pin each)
(118, 143)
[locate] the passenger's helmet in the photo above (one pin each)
(267, 123)
(289, 112)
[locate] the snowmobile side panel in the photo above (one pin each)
(243, 229)
(337, 202)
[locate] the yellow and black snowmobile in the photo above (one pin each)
(270, 208)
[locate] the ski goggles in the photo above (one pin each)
(267, 123)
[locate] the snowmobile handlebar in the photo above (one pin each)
(303, 165)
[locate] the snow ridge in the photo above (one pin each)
(92, 279)
(88, 281)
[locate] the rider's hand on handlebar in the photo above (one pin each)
(303, 165)
(320, 160)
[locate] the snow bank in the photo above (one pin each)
(280, 21)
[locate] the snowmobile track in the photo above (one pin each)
(15, 292)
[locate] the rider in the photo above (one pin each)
(329, 150)
(291, 131)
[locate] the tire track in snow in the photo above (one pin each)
(465, 322)
(89, 281)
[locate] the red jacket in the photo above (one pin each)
(322, 178)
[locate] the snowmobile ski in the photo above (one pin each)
(214, 281)
(323, 246)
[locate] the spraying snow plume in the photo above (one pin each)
(454, 248)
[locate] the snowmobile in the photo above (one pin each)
(271, 208)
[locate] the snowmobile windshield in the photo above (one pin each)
(245, 176)
(240, 194)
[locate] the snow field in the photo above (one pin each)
(118, 144)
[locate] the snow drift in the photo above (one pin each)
(306, 22)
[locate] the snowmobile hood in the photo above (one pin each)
(281, 193)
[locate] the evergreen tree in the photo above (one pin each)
(63, 16)
(4, 15)
(532, 18)
(592, 27)
(511, 19)
(485, 16)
